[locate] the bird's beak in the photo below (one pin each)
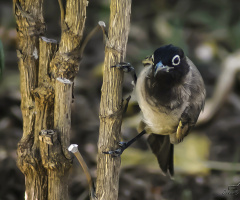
(161, 67)
(148, 61)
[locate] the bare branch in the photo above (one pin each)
(74, 149)
(111, 106)
(61, 11)
(101, 26)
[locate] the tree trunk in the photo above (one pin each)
(46, 74)
(111, 106)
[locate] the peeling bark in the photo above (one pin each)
(66, 61)
(30, 26)
(46, 91)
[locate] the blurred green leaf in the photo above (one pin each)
(1, 59)
(134, 156)
(234, 35)
(191, 155)
(206, 21)
(170, 32)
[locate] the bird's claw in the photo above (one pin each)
(119, 151)
(115, 153)
(126, 67)
(122, 144)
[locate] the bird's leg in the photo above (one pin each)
(124, 145)
(127, 68)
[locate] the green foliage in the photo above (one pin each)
(1, 59)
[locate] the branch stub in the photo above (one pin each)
(73, 148)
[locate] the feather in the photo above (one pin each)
(163, 150)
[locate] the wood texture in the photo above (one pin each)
(66, 61)
(111, 106)
(30, 25)
(62, 112)
(46, 91)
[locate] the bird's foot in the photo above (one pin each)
(115, 153)
(126, 67)
(123, 144)
(119, 151)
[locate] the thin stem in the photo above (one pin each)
(74, 149)
(100, 26)
(61, 11)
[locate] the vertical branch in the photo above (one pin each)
(30, 25)
(111, 100)
(28, 18)
(47, 49)
(63, 69)
(64, 66)
(66, 62)
(62, 112)
(43, 158)
(56, 164)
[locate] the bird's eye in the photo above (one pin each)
(176, 60)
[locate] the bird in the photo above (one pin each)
(171, 94)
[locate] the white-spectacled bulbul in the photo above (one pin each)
(171, 94)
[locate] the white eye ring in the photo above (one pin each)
(178, 60)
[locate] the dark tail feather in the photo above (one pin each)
(163, 150)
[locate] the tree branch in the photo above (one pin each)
(30, 23)
(46, 84)
(65, 63)
(111, 107)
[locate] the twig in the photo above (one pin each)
(62, 12)
(101, 26)
(74, 149)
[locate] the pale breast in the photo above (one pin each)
(159, 120)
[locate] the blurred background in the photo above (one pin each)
(208, 160)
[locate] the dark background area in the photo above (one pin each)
(208, 31)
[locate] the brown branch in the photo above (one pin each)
(30, 23)
(111, 100)
(62, 112)
(61, 11)
(56, 165)
(74, 149)
(65, 63)
(46, 90)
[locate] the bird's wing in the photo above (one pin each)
(196, 102)
(184, 126)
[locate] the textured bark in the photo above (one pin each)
(111, 106)
(46, 91)
(66, 62)
(62, 112)
(30, 26)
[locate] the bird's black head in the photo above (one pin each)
(169, 68)
(169, 59)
